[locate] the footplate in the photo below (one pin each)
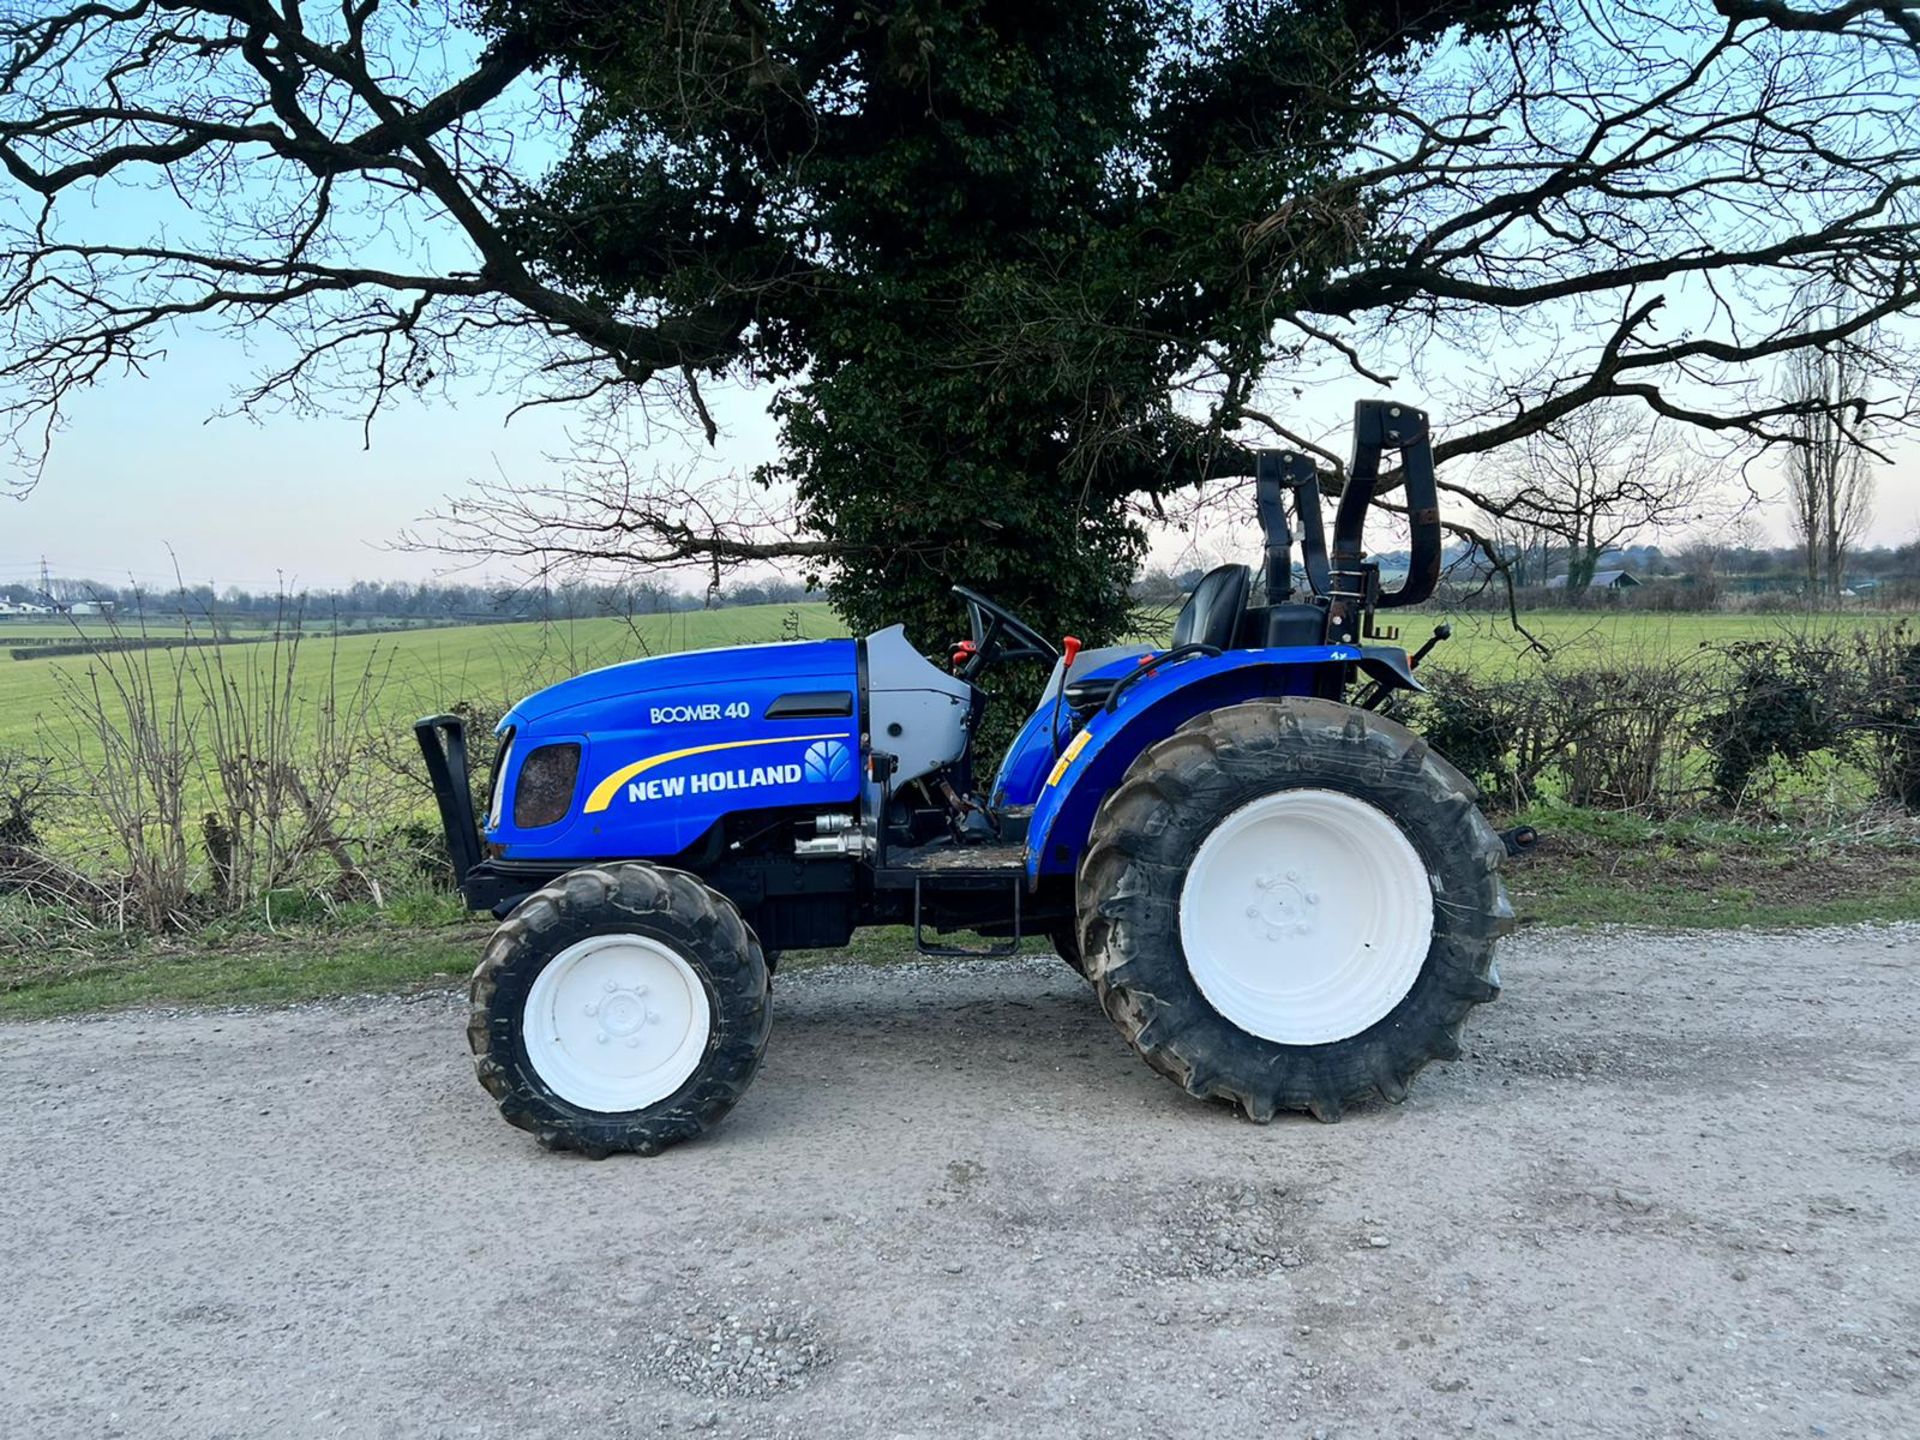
(993, 952)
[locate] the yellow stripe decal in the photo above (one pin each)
(1068, 756)
(604, 792)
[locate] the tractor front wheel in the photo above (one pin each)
(1292, 905)
(622, 1007)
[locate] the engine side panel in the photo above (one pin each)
(916, 712)
(670, 745)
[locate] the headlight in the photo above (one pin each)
(544, 791)
(498, 789)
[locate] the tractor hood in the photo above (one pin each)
(691, 671)
(642, 759)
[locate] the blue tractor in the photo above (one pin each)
(1283, 899)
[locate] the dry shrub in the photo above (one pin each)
(1731, 723)
(27, 790)
(1799, 696)
(246, 772)
(1617, 736)
(289, 774)
(131, 750)
(1890, 720)
(1613, 736)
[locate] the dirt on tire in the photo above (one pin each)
(1672, 1187)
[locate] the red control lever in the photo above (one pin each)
(1071, 645)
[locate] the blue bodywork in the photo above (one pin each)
(671, 744)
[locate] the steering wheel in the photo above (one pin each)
(998, 634)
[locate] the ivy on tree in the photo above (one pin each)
(980, 246)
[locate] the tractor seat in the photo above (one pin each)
(1086, 691)
(1211, 616)
(1213, 611)
(1092, 692)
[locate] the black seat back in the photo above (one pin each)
(1212, 613)
(1291, 623)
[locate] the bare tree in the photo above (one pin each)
(330, 184)
(1592, 480)
(603, 510)
(1618, 204)
(1702, 557)
(1829, 477)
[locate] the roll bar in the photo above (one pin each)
(1341, 577)
(1379, 425)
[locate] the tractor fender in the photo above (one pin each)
(1153, 707)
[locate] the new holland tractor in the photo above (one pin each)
(1283, 899)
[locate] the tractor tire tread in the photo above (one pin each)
(1143, 837)
(609, 898)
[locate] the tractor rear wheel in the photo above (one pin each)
(1292, 905)
(623, 1007)
(1065, 936)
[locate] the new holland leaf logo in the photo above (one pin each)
(835, 762)
(827, 761)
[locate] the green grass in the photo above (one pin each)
(51, 964)
(422, 670)
(260, 974)
(1486, 644)
(1597, 867)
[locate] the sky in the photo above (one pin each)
(142, 477)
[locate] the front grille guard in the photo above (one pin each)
(443, 743)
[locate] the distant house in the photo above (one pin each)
(23, 607)
(91, 607)
(1602, 580)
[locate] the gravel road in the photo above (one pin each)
(1673, 1189)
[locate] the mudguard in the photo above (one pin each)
(1153, 707)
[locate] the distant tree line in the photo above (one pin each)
(432, 602)
(1720, 564)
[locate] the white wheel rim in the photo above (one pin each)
(1306, 916)
(616, 1022)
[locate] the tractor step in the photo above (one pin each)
(944, 862)
(1010, 946)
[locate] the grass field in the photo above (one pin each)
(424, 670)
(1487, 644)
